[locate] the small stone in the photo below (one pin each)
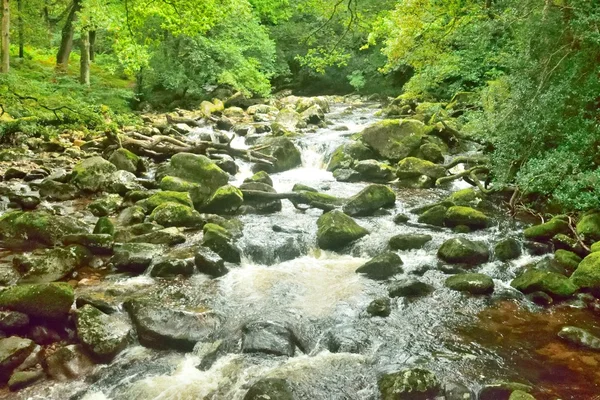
(382, 267)
(409, 287)
(380, 307)
(409, 241)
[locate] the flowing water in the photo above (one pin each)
(284, 278)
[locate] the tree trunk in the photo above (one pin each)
(66, 43)
(84, 71)
(21, 29)
(92, 46)
(5, 36)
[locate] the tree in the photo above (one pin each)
(5, 32)
(68, 32)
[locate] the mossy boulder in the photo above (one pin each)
(432, 152)
(382, 267)
(258, 204)
(336, 230)
(283, 149)
(93, 174)
(409, 241)
(347, 154)
(260, 177)
(57, 191)
(135, 257)
(159, 198)
(373, 171)
(587, 274)
(26, 230)
(102, 335)
(380, 307)
(552, 283)
(546, 231)
(168, 236)
(125, 160)
(369, 200)
(567, 259)
(269, 388)
(45, 300)
(394, 139)
(176, 214)
(50, 265)
(13, 352)
(173, 184)
(196, 169)
(464, 251)
(412, 167)
(225, 200)
(471, 283)
(435, 216)
(467, 216)
(105, 205)
(287, 121)
(507, 249)
(595, 247)
(466, 197)
(220, 240)
(100, 244)
(588, 226)
(104, 226)
(520, 395)
(410, 384)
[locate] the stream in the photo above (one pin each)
(467, 341)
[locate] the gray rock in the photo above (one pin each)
(210, 263)
(580, 337)
(409, 287)
(102, 335)
(134, 257)
(382, 267)
(409, 241)
(380, 307)
(11, 321)
(471, 283)
(168, 267)
(269, 388)
(410, 384)
(268, 337)
(13, 352)
(22, 379)
(68, 363)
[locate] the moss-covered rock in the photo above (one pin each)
(135, 257)
(520, 395)
(382, 267)
(196, 169)
(104, 226)
(412, 167)
(471, 283)
(105, 205)
(336, 230)
(466, 197)
(27, 230)
(220, 240)
(432, 152)
(546, 231)
(313, 115)
(100, 244)
(93, 174)
(380, 307)
(409, 241)
(394, 139)
(13, 352)
(371, 171)
(552, 283)
(226, 200)
(567, 259)
(258, 204)
(587, 274)
(159, 198)
(45, 300)
(467, 216)
(588, 226)
(434, 216)
(173, 184)
(348, 154)
(413, 384)
(260, 177)
(131, 216)
(595, 247)
(464, 251)
(269, 388)
(57, 191)
(176, 214)
(507, 249)
(369, 200)
(168, 236)
(283, 149)
(103, 336)
(125, 160)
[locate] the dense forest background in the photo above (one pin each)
(528, 70)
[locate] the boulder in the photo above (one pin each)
(287, 154)
(467, 216)
(471, 283)
(269, 338)
(102, 335)
(587, 274)
(125, 160)
(93, 174)
(313, 115)
(588, 226)
(269, 388)
(105, 205)
(547, 230)
(168, 236)
(22, 379)
(176, 214)
(382, 267)
(346, 155)
(410, 384)
(580, 337)
(57, 191)
(260, 177)
(169, 267)
(131, 216)
(220, 240)
(196, 169)
(104, 226)
(380, 307)
(258, 204)
(466, 197)
(225, 200)
(159, 198)
(409, 241)
(50, 265)
(121, 182)
(412, 167)
(336, 230)
(68, 363)
(210, 263)
(161, 327)
(552, 283)
(567, 259)
(432, 152)
(374, 171)
(394, 139)
(26, 230)
(435, 216)
(173, 184)
(13, 352)
(11, 321)
(409, 287)
(369, 200)
(507, 249)
(134, 257)
(464, 251)
(45, 300)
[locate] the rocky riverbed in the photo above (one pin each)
(302, 248)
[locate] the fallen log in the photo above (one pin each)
(298, 199)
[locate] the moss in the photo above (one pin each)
(394, 139)
(336, 230)
(595, 247)
(369, 200)
(467, 216)
(587, 274)
(104, 226)
(219, 240)
(472, 283)
(125, 160)
(463, 251)
(556, 285)
(434, 216)
(102, 335)
(92, 174)
(416, 383)
(507, 249)
(176, 214)
(105, 205)
(346, 155)
(412, 167)
(546, 231)
(589, 226)
(159, 198)
(45, 300)
(173, 184)
(520, 395)
(466, 197)
(260, 177)
(196, 169)
(567, 259)
(432, 152)
(226, 200)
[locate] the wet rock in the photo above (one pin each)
(269, 388)
(68, 363)
(104, 226)
(11, 321)
(313, 115)
(520, 395)
(220, 240)
(538, 249)
(57, 191)
(348, 154)
(541, 298)
(457, 391)
(409, 287)
(587, 274)
(580, 337)
(567, 259)
(131, 216)
(369, 200)
(336, 230)
(228, 165)
(260, 177)
(44, 300)
(256, 203)
(463, 251)
(26, 230)
(92, 174)
(50, 265)
(287, 154)
(410, 384)
(134, 257)
(401, 219)
(22, 379)
(168, 237)
(122, 182)
(373, 171)
(409, 241)
(471, 283)
(127, 234)
(175, 214)
(13, 352)
(166, 267)
(507, 249)
(546, 231)
(556, 285)
(434, 216)
(105, 205)
(501, 390)
(196, 169)
(24, 201)
(210, 263)
(432, 152)
(380, 307)
(287, 122)
(588, 226)
(394, 139)
(261, 109)
(125, 160)
(173, 184)
(13, 173)
(412, 167)
(466, 216)
(269, 338)
(100, 244)
(160, 198)
(161, 327)
(225, 200)
(382, 267)
(346, 339)
(102, 335)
